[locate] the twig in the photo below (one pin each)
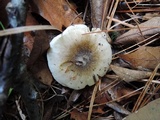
(85, 11)
(65, 113)
(133, 46)
(121, 22)
(141, 96)
(17, 30)
(112, 14)
(92, 100)
(135, 92)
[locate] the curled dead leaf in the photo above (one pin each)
(147, 28)
(76, 115)
(57, 12)
(143, 58)
(118, 108)
(41, 72)
(73, 97)
(37, 63)
(129, 75)
(112, 92)
(120, 90)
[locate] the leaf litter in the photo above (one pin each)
(123, 90)
(144, 57)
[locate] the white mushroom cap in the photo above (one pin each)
(77, 59)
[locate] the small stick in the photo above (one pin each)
(92, 100)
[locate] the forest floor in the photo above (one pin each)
(131, 84)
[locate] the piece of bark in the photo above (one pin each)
(99, 10)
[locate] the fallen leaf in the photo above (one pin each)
(103, 97)
(41, 44)
(57, 12)
(117, 116)
(30, 20)
(37, 63)
(28, 42)
(98, 110)
(129, 75)
(28, 39)
(143, 58)
(115, 106)
(148, 112)
(76, 115)
(73, 97)
(40, 71)
(113, 92)
(120, 90)
(147, 28)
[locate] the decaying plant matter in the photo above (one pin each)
(55, 59)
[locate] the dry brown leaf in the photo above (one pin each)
(120, 90)
(57, 12)
(100, 98)
(147, 28)
(115, 106)
(41, 72)
(28, 43)
(41, 44)
(37, 63)
(112, 93)
(103, 97)
(99, 110)
(28, 38)
(143, 58)
(36, 45)
(30, 20)
(129, 75)
(73, 97)
(76, 115)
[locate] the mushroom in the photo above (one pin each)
(78, 57)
